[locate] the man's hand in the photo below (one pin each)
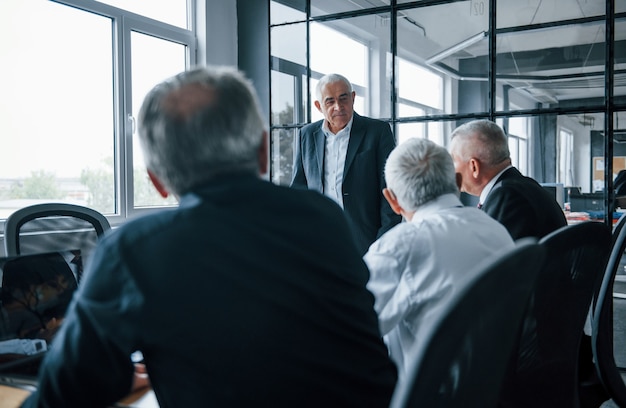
(140, 378)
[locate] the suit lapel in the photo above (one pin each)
(357, 134)
(318, 147)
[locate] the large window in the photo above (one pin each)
(75, 73)
(428, 66)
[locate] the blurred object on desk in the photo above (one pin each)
(576, 217)
(586, 202)
(599, 216)
(12, 395)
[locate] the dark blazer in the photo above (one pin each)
(240, 297)
(523, 206)
(370, 143)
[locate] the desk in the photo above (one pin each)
(13, 396)
(143, 398)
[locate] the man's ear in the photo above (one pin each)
(263, 154)
(392, 200)
(474, 167)
(158, 185)
(317, 105)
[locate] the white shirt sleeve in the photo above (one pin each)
(385, 283)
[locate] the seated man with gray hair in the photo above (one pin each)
(248, 294)
(420, 264)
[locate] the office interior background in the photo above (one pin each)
(551, 72)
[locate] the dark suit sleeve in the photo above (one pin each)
(387, 217)
(298, 177)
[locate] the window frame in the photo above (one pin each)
(123, 24)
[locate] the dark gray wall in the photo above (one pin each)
(253, 54)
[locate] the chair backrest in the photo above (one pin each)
(469, 345)
(53, 227)
(544, 370)
(602, 323)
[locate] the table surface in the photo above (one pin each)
(12, 397)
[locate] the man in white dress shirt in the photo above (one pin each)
(419, 265)
(343, 156)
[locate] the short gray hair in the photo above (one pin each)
(418, 171)
(200, 124)
(481, 139)
(330, 79)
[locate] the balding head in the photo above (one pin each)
(201, 124)
(184, 102)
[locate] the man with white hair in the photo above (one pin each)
(343, 157)
(480, 152)
(419, 265)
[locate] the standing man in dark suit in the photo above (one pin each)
(248, 294)
(481, 156)
(343, 156)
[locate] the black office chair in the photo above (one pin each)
(602, 323)
(468, 347)
(53, 227)
(544, 370)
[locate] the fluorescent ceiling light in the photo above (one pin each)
(456, 48)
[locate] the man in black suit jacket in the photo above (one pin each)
(343, 156)
(481, 156)
(248, 294)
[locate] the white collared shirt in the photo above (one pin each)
(417, 267)
(335, 150)
(489, 186)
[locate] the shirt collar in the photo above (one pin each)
(345, 130)
(443, 201)
(489, 186)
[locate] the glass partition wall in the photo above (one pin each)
(551, 72)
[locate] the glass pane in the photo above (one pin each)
(619, 148)
(431, 130)
(283, 99)
(153, 60)
(619, 86)
(361, 53)
(587, 169)
(56, 119)
(171, 11)
(561, 67)
(282, 155)
(294, 10)
(418, 87)
(289, 85)
(410, 130)
(324, 7)
(512, 13)
(457, 59)
(288, 45)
